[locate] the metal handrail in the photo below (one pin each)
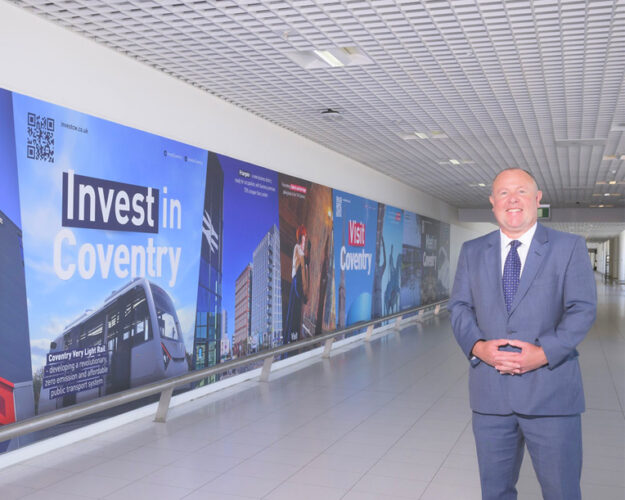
(166, 387)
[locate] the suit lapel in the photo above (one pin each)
(533, 262)
(492, 262)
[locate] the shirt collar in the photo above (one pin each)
(525, 238)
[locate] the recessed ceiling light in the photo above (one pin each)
(594, 141)
(438, 134)
(481, 184)
(411, 136)
(328, 58)
(606, 194)
(612, 182)
(454, 161)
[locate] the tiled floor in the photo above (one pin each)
(389, 420)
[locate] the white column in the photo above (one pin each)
(621, 258)
(601, 258)
(614, 258)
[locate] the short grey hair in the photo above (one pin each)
(515, 168)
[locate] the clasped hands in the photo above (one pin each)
(529, 358)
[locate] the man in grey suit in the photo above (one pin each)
(523, 298)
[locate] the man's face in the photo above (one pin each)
(515, 200)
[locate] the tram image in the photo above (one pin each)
(138, 353)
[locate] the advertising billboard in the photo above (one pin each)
(252, 297)
(390, 235)
(127, 258)
(355, 221)
(435, 261)
(306, 258)
(16, 380)
(411, 262)
(112, 221)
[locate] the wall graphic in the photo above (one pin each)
(209, 314)
(411, 262)
(443, 264)
(390, 234)
(355, 221)
(435, 241)
(306, 258)
(16, 381)
(127, 258)
(252, 298)
(112, 220)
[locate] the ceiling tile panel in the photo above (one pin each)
(502, 82)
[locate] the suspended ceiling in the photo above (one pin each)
(487, 84)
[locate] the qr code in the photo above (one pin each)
(40, 141)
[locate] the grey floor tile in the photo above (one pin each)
(14, 491)
(235, 484)
(385, 420)
(384, 485)
(146, 491)
(322, 476)
(290, 491)
(88, 485)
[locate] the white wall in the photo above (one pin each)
(615, 257)
(460, 234)
(42, 60)
(601, 255)
(621, 258)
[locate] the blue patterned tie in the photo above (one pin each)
(511, 274)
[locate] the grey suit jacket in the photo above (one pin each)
(554, 307)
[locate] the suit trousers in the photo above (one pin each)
(553, 442)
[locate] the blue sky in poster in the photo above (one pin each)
(104, 150)
(357, 261)
(247, 218)
(9, 199)
(393, 234)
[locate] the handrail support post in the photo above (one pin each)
(369, 333)
(420, 316)
(327, 348)
(397, 326)
(264, 374)
(163, 405)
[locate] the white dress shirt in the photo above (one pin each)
(522, 249)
